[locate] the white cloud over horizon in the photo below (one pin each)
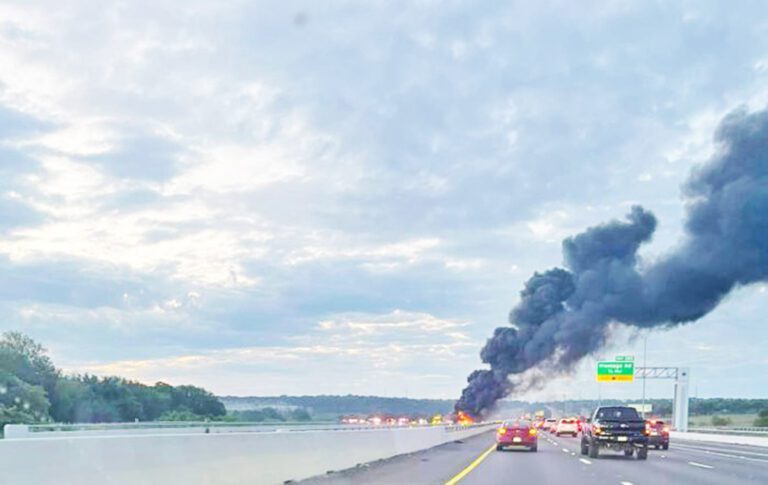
(193, 191)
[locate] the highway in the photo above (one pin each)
(558, 461)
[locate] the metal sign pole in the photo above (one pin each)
(645, 364)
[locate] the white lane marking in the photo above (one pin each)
(573, 453)
(733, 453)
(700, 465)
(585, 461)
(565, 450)
(626, 483)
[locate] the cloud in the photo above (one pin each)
(397, 322)
(377, 346)
(333, 169)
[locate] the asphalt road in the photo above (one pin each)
(558, 461)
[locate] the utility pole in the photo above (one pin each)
(645, 365)
(599, 395)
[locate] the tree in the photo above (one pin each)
(762, 418)
(71, 396)
(33, 390)
(21, 402)
(182, 415)
(720, 421)
(300, 415)
(196, 400)
(26, 359)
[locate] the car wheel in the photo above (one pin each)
(584, 447)
(499, 448)
(629, 452)
(534, 448)
(665, 446)
(657, 446)
(557, 434)
(594, 451)
(642, 453)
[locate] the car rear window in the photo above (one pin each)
(567, 421)
(517, 424)
(618, 414)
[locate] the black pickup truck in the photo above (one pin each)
(616, 428)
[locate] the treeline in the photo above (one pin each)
(33, 390)
(341, 405)
(270, 414)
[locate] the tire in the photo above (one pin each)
(642, 453)
(584, 447)
(629, 452)
(657, 446)
(557, 434)
(594, 450)
(665, 446)
(499, 448)
(534, 448)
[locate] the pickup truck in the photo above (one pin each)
(615, 428)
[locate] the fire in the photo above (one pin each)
(464, 419)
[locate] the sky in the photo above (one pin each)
(345, 197)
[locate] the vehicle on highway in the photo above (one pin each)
(659, 434)
(617, 428)
(580, 422)
(517, 433)
(567, 426)
(550, 425)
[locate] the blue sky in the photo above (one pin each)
(346, 197)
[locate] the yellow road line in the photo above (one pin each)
(463, 473)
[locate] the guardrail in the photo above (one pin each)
(151, 457)
(16, 431)
(59, 430)
(737, 430)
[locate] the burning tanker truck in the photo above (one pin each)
(564, 313)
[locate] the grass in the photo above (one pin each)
(736, 419)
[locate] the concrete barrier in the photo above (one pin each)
(721, 438)
(19, 431)
(225, 458)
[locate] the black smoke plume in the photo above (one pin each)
(563, 314)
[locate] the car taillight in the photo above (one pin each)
(502, 430)
(532, 431)
(665, 429)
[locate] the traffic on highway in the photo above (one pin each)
(614, 446)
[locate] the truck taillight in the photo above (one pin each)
(647, 429)
(502, 430)
(532, 431)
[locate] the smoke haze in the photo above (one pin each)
(564, 313)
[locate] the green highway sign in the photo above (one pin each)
(625, 358)
(623, 371)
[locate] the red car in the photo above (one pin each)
(658, 434)
(519, 433)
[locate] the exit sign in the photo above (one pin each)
(621, 371)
